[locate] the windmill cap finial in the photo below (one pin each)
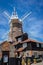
(14, 11)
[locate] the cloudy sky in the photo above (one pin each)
(33, 24)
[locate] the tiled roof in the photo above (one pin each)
(15, 43)
(30, 40)
(4, 42)
(27, 40)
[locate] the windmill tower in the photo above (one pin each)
(15, 26)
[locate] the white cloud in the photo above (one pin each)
(5, 35)
(4, 18)
(34, 27)
(2, 31)
(3, 26)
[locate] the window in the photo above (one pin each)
(17, 25)
(37, 44)
(14, 24)
(19, 29)
(5, 58)
(24, 45)
(19, 39)
(42, 45)
(35, 54)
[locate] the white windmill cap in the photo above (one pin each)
(14, 15)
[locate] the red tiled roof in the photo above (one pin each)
(30, 40)
(36, 41)
(27, 40)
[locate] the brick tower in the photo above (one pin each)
(15, 27)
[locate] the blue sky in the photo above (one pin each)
(33, 24)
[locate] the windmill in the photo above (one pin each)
(9, 17)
